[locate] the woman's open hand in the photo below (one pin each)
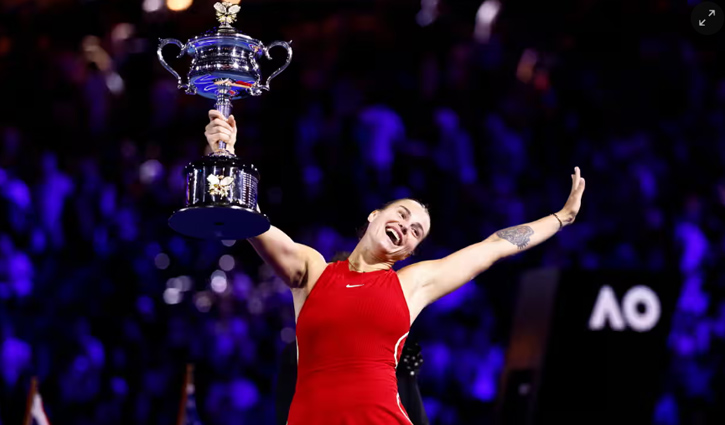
(573, 204)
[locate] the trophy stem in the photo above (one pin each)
(223, 104)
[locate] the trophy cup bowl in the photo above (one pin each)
(221, 190)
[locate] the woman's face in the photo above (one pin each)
(395, 232)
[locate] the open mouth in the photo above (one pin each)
(393, 235)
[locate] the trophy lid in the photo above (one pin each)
(226, 14)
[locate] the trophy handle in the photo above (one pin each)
(162, 44)
(266, 50)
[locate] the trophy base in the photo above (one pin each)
(228, 222)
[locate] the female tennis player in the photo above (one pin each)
(353, 316)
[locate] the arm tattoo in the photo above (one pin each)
(518, 235)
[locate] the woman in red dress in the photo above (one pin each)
(353, 316)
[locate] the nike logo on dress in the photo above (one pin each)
(354, 286)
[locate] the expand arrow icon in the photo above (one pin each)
(712, 12)
(702, 23)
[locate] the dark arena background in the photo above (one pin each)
(479, 108)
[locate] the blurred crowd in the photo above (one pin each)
(105, 304)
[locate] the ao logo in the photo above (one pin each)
(607, 310)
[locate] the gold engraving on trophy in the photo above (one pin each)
(220, 185)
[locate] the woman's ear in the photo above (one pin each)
(372, 216)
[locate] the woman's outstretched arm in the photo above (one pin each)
(291, 261)
(436, 278)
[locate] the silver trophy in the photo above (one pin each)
(221, 191)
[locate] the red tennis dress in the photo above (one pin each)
(350, 335)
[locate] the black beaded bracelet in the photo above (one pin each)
(561, 224)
